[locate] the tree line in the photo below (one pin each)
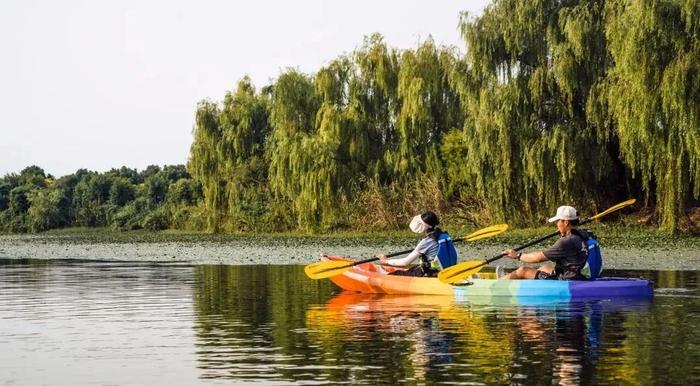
(584, 102)
(124, 199)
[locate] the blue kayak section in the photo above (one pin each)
(542, 291)
(609, 287)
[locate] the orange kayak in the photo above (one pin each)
(368, 279)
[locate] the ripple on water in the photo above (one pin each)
(86, 321)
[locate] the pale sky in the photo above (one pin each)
(103, 84)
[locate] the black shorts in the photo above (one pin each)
(542, 275)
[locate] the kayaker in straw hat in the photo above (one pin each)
(568, 254)
(432, 253)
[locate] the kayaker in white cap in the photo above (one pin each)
(568, 254)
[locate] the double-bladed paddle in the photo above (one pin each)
(461, 271)
(324, 269)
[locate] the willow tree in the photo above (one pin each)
(336, 122)
(244, 123)
(653, 95)
(530, 67)
(301, 163)
(427, 108)
(372, 102)
(205, 164)
(227, 157)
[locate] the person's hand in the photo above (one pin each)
(383, 259)
(511, 253)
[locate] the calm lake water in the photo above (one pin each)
(70, 322)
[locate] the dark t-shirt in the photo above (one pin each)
(569, 256)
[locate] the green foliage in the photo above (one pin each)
(227, 158)
(132, 215)
(121, 192)
(127, 173)
(156, 187)
(4, 196)
(379, 116)
(32, 201)
(32, 176)
(149, 171)
(49, 209)
(189, 218)
(652, 96)
(373, 103)
(155, 220)
(19, 200)
(528, 144)
(303, 169)
(91, 206)
(204, 162)
(184, 191)
(428, 109)
(537, 113)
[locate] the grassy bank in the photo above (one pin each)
(624, 247)
(616, 235)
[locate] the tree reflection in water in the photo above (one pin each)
(273, 324)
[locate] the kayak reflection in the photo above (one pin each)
(447, 340)
(411, 329)
(568, 334)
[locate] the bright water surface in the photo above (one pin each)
(72, 322)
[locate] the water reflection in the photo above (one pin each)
(442, 340)
(271, 323)
(411, 327)
(248, 322)
(561, 343)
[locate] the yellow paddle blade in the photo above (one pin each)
(487, 232)
(614, 208)
(324, 269)
(460, 271)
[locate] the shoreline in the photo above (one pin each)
(623, 248)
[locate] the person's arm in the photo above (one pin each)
(530, 257)
(413, 257)
(403, 261)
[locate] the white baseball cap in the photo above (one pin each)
(565, 213)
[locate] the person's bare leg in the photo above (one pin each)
(527, 272)
(549, 268)
(520, 273)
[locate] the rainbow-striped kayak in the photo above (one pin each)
(367, 278)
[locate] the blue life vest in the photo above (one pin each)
(447, 254)
(594, 262)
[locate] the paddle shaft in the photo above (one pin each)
(371, 259)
